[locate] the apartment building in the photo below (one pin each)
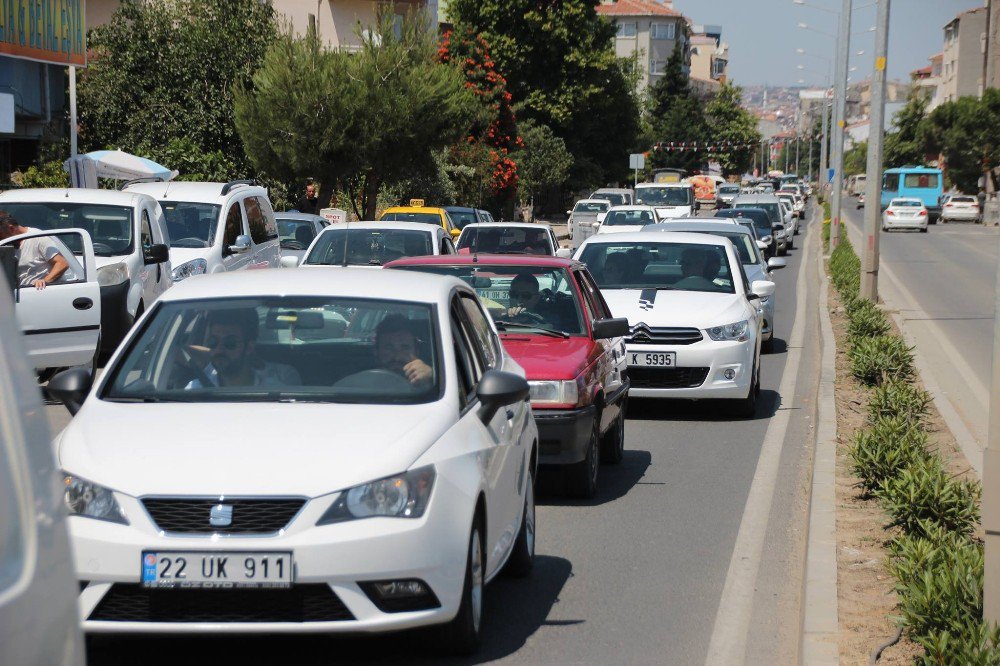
(339, 23)
(964, 55)
(648, 29)
(709, 60)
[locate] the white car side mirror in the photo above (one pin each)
(761, 245)
(289, 262)
(564, 253)
(774, 263)
(762, 288)
(600, 217)
(242, 244)
(596, 225)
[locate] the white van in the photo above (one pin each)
(38, 590)
(216, 227)
(130, 245)
(669, 199)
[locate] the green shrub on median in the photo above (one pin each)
(881, 359)
(866, 320)
(900, 399)
(923, 494)
(882, 451)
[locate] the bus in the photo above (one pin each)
(924, 183)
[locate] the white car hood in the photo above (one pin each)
(182, 255)
(675, 308)
(245, 448)
(621, 229)
(673, 211)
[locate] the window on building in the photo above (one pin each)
(657, 67)
(627, 30)
(662, 30)
(718, 68)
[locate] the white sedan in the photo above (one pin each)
(695, 324)
(904, 213)
(625, 219)
(510, 238)
(240, 469)
(372, 244)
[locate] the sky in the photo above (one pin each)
(763, 36)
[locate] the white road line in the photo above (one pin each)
(732, 621)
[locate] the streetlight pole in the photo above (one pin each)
(812, 140)
(873, 185)
(798, 169)
(840, 107)
(824, 152)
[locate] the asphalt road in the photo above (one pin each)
(942, 284)
(637, 574)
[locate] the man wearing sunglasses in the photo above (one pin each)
(530, 306)
(232, 336)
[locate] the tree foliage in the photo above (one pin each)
(361, 120)
(562, 72)
(161, 76)
(731, 122)
(676, 115)
(964, 132)
(544, 161)
(905, 145)
(856, 159)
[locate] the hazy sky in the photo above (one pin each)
(763, 35)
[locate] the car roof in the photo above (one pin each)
(612, 190)
(756, 198)
(652, 236)
(507, 225)
(340, 281)
(459, 209)
(695, 227)
(295, 215)
(425, 227)
(487, 259)
(72, 194)
(600, 201)
(414, 209)
(919, 169)
(648, 209)
(646, 185)
(198, 192)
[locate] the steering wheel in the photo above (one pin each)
(527, 317)
(102, 248)
(377, 379)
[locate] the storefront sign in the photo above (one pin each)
(52, 31)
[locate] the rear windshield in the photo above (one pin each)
(591, 207)
(906, 203)
(295, 234)
(425, 218)
(369, 247)
(615, 199)
(963, 200)
(729, 189)
(672, 266)
(920, 180)
(505, 240)
(462, 218)
(621, 218)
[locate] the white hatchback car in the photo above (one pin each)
(905, 213)
(312, 479)
(511, 238)
(625, 219)
(695, 319)
(372, 244)
(216, 227)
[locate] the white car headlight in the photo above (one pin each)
(738, 331)
(557, 392)
(84, 498)
(189, 269)
(109, 276)
(402, 496)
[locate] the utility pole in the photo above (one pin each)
(991, 481)
(72, 110)
(873, 184)
(824, 153)
(798, 170)
(812, 140)
(839, 120)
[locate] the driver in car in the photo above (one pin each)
(699, 268)
(232, 336)
(396, 350)
(530, 304)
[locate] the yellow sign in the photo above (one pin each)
(53, 31)
(880, 64)
(417, 203)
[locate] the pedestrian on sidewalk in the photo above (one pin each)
(310, 202)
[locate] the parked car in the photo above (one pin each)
(585, 215)
(461, 216)
(417, 212)
(38, 617)
(761, 222)
(623, 219)
(669, 199)
(788, 221)
(358, 484)
(960, 208)
(510, 238)
(372, 244)
(725, 194)
(772, 205)
(616, 196)
(695, 322)
(905, 213)
(754, 265)
(216, 227)
(130, 242)
(570, 347)
(861, 201)
(296, 232)
(795, 201)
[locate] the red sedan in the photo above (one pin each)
(554, 322)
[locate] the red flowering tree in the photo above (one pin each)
(487, 149)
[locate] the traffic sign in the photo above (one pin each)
(637, 161)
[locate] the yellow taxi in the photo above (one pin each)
(417, 212)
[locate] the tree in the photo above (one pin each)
(856, 159)
(905, 145)
(562, 72)
(676, 116)
(544, 161)
(362, 120)
(964, 133)
(162, 72)
(732, 124)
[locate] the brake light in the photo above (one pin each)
(889, 212)
(921, 213)
(949, 205)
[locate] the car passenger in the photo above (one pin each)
(231, 342)
(42, 260)
(396, 350)
(615, 268)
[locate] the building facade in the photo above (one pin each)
(709, 60)
(648, 30)
(340, 23)
(964, 56)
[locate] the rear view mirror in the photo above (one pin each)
(564, 253)
(455, 233)
(241, 245)
(299, 319)
(600, 217)
(70, 387)
(156, 254)
(774, 263)
(610, 328)
(761, 245)
(498, 389)
(761, 289)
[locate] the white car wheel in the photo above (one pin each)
(461, 636)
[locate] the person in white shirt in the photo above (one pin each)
(42, 260)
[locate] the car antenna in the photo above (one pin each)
(347, 226)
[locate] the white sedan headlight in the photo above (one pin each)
(554, 392)
(738, 331)
(84, 498)
(109, 276)
(189, 269)
(402, 496)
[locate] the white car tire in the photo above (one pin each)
(522, 557)
(463, 634)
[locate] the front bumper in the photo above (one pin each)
(699, 371)
(116, 320)
(330, 562)
(563, 434)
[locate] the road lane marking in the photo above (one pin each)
(732, 621)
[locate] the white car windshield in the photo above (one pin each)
(110, 227)
(591, 206)
(614, 198)
(369, 247)
(664, 196)
(652, 265)
(190, 224)
(282, 349)
(620, 218)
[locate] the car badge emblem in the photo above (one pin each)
(221, 515)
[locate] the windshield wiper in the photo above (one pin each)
(503, 325)
(145, 398)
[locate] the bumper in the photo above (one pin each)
(916, 223)
(563, 434)
(964, 215)
(699, 371)
(116, 320)
(330, 563)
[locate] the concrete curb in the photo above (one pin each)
(820, 623)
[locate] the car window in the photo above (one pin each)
(468, 371)
(588, 299)
(37, 256)
(145, 230)
(304, 349)
(295, 234)
(424, 218)
(110, 227)
(664, 196)
(614, 198)
(462, 218)
(191, 224)
(369, 247)
(504, 240)
(234, 226)
(591, 206)
(660, 265)
(486, 346)
(619, 218)
(920, 180)
(447, 247)
(603, 311)
(260, 226)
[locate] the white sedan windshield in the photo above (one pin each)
(676, 266)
